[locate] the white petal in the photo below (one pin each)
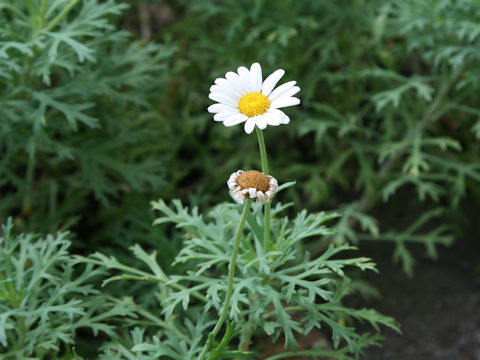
(250, 125)
(221, 116)
(220, 81)
(260, 197)
(227, 84)
(242, 71)
(284, 102)
(245, 78)
(224, 90)
(256, 76)
(273, 183)
(288, 93)
(235, 119)
(223, 99)
(271, 81)
(261, 121)
(284, 119)
(215, 108)
(281, 89)
(232, 184)
(235, 81)
(238, 196)
(272, 119)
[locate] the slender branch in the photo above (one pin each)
(231, 276)
(263, 157)
(233, 263)
(60, 16)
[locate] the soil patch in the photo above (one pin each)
(438, 308)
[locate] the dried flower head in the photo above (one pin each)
(244, 97)
(252, 184)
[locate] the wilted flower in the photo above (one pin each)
(252, 184)
(244, 97)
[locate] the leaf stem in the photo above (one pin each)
(231, 276)
(263, 157)
(60, 16)
(225, 340)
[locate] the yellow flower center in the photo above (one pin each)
(254, 103)
(254, 179)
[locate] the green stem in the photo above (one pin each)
(60, 16)
(263, 157)
(263, 150)
(267, 226)
(223, 344)
(231, 276)
(42, 15)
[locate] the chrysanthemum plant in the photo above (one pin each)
(244, 281)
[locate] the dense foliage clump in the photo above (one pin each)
(76, 101)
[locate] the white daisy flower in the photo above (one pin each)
(252, 184)
(244, 97)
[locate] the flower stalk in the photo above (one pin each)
(263, 157)
(231, 276)
(263, 150)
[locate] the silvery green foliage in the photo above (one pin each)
(45, 297)
(75, 95)
(279, 293)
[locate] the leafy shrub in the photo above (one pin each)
(279, 291)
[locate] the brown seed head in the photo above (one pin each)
(254, 179)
